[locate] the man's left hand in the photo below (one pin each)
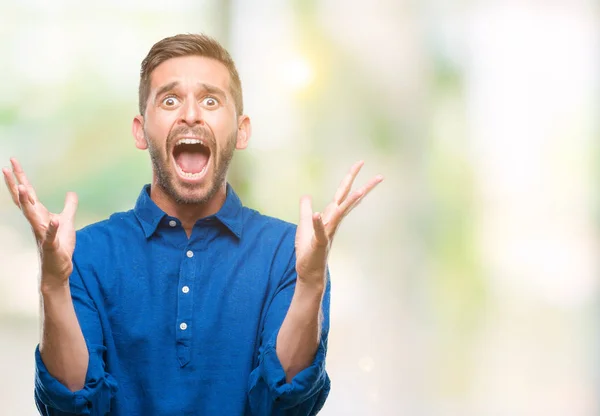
(315, 231)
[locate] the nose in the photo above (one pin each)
(191, 113)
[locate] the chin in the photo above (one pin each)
(192, 194)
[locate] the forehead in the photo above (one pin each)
(189, 71)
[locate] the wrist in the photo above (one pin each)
(310, 287)
(52, 285)
(312, 278)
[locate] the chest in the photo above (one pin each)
(189, 294)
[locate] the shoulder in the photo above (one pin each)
(111, 224)
(270, 239)
(268, 236)
(267, 226)
(99, 236)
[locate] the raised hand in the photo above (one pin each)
(54, 233)
(315, 231)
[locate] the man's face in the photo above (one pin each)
(190, 127)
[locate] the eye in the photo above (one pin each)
(210, 102)
(170, 101)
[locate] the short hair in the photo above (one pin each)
(188, 45)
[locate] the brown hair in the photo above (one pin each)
(186, 45)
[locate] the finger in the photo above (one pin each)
(71, 203)
(11, 184)
(350, 203)
(28, 210)
(25, 201)
(19, 172)
(346, 184)
(333, 221)
(21, 177)
(357, 195)
(319, 227)
(51, 231)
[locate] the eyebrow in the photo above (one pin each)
(211, 89)
(166, 88)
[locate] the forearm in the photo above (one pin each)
(300, 333)
(62, 347)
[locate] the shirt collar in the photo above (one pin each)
(230, 213)
(147, 212)
(150, 215)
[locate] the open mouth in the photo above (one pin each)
(191, 157)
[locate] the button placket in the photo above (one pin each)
(185, 301)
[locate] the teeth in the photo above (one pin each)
(191, 175)
(189, 141)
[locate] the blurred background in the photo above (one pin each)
(465, 284)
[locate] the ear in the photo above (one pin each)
(243, 132)
(138, 133)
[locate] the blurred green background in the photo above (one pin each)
(465, 284)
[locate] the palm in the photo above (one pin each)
(315, 231)
(63, 245)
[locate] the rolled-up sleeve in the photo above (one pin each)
(52, 398)
(305, 394)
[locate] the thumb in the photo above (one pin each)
(71, 203)
(50, 237)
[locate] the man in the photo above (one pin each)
(190, 303)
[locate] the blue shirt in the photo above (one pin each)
(178, 326)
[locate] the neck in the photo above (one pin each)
(188, 214)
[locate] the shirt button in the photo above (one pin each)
(172, 223)
(185, 289)
(190, 254)
(183, 326)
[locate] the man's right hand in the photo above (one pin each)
(54, 233)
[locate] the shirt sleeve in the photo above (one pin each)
(52, 398)
(305, 394)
